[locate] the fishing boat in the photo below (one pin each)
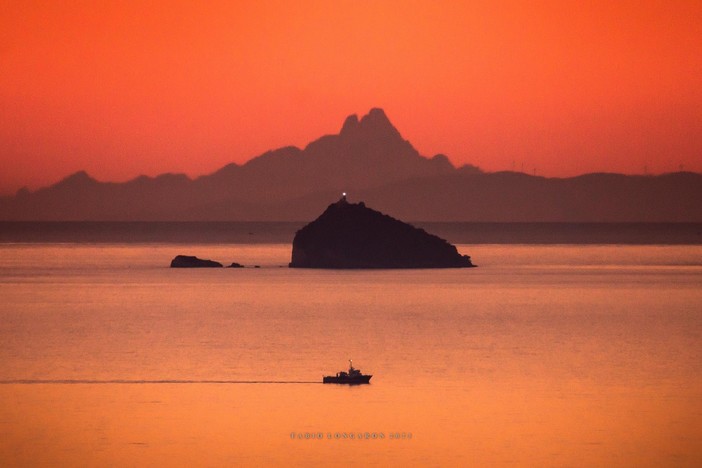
(352, 377)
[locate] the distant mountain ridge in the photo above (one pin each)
(369, 159)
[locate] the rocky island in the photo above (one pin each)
(187, 261)
(351, 235)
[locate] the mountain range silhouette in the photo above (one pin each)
(371, 161)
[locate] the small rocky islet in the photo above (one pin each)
(189, 261)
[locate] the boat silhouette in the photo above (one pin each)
(352, 377)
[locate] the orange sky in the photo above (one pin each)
(565, 87)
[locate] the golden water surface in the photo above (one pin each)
(542, 356)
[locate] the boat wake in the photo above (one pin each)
(148, 382)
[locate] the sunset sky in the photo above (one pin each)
(561, 87)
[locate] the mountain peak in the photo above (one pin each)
(80, 177)
(373, 125)
(376, 114)
(377, 122)
(350, 124)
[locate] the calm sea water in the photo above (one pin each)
(545, 355)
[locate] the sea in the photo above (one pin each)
(569, 345)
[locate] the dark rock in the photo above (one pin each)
(236, 265)
(186, 261)
(351, 235)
